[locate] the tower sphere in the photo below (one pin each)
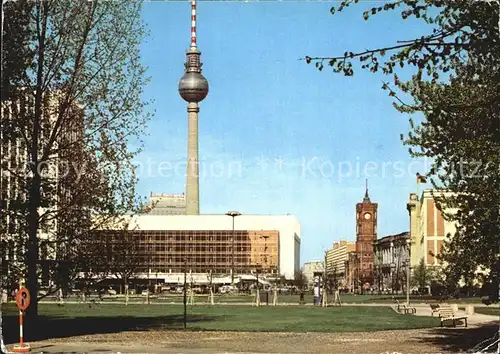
(193, 87)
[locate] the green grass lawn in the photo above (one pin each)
(79, 319)
(492, 310)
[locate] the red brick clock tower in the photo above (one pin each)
(366, 235)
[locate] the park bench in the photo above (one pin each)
(434, 309)
(402, 308)
(446, 313)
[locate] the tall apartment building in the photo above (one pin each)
(57, 177)
(428, 228)
(337, 256)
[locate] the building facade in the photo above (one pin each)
(202, 244)
(366, 235)
(167, 204)
(309, 268)
(337, 256)
(57, 175)
(428, 228)
(352, 272)
(391, 261)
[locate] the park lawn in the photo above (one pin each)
(225, 318)
(493, 310)
(284, 298)
(294, 299)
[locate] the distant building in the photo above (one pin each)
(338, 255)
(309, 268)
(366, 235)
(167, 204)
(391, 261)
(203, 244)
(351, 272)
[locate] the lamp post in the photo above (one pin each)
(265, 237)
(232, 214)
(408, 244)
(149, 269)
(185, 293)
(392, 263)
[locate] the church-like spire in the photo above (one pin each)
(366, 199)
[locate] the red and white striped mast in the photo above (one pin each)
(193, 23)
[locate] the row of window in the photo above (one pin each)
(204, 269)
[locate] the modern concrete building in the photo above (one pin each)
(203, 244)
(428, 228)
(193, 88)
(167, 204)
(337, 256)
(57, 178)
(311, 267)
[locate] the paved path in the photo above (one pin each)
(434, 340)
(475, 319)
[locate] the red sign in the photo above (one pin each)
(23, 298)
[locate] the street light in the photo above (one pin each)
(408, 245)
(150, 247)
(232, 214)
(184, 293)
(392, 265)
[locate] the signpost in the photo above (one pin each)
(22, 301)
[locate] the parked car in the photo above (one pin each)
(226, 289)
(145, 292)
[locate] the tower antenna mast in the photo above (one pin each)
(193, 23)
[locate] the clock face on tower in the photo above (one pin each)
(367, 216)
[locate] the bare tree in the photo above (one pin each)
(124, 257)
(300, 279)
(74, 106)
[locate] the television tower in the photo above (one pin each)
(193, 88)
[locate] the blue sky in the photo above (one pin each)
(276, 135)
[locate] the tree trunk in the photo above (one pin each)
(32, 254)
(34, 197)
(126, 292)
(211, 296)
(275, 296)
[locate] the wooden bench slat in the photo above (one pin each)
(446, 313)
